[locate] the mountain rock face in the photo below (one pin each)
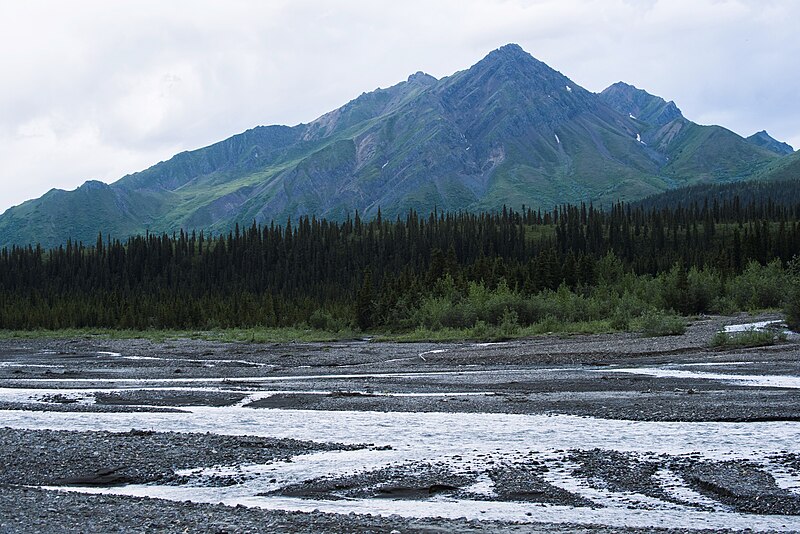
(509, 130)
(641, 105)
(764, 140)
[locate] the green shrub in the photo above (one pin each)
(792, 309)
(658, 323)
(760, 286)
(748, 338)
(724, 305)
(720, 339)
(609, 270)
(500, 301)
(691, 291)
(704, 286)
(401, 314)
(323, 320)
(621, 320)
(480, 331)
(547, 325)
(601, 304)
(509, 326)
(430, 312)
(457, 316)
(792, 301)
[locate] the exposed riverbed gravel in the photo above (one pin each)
(60, 458)
(577, 375)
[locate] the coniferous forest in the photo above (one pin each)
(508, 270)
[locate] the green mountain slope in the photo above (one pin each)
(688, 152)
(764, 140)
(509, 130)
(787, 168)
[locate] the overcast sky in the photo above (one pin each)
(99, 89)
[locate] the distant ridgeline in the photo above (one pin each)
(510, 130)
(420, 270)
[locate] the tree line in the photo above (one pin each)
(380, 273)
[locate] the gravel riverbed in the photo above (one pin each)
(265, 449)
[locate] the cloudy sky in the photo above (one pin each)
(99, 89)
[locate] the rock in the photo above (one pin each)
(102, 477)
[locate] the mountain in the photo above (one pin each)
(640, 105)
(764, 140)
(509, 130)
(690, 153)
(786, 168)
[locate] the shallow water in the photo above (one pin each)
(442, 433)
(461, 441)
(761, 325)
(766, 381)
(40, 395)
(676, 488)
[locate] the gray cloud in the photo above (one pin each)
(95, 89)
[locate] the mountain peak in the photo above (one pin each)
(93, 185)
(629, 92)
(639, 104)
(508, 54)
(422, 78)
(621, 86)
(764, 140)
(519, 93)
(509, 49)
(515, 63)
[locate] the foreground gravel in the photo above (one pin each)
(52, 458)
(743, 486)
(33, 511)
(739, 485)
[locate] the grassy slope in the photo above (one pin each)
(702, 154)
(77, 214)
(786, 168)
